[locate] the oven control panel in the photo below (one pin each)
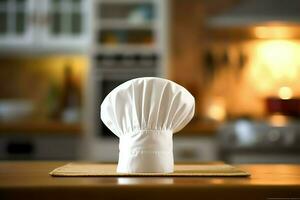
(251, 134)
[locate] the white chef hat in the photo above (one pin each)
(144, 113)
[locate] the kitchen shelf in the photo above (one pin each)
(125, 1)
(40, 128)
(125, 48)
(109, 24)
(141, 70)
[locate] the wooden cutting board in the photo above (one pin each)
(181, 170)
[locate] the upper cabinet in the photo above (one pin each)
(16, 27)
(45, 25)
(67, 23)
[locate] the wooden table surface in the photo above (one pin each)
(30, 180)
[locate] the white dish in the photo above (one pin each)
(14, 109)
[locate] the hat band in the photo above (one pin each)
(146, 151)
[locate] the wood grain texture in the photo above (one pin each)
(31, 180)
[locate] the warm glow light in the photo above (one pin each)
(279, 57)
(285, 93)
(273, 32)
(216, 110)
(278, 120)
(275, 63)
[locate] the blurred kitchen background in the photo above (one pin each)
(239, 58)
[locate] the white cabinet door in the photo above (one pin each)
(16, 23)
(68, 24)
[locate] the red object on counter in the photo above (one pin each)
(289, 107)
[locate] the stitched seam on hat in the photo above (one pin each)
(150, 152)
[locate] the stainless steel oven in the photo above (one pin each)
(246, 141)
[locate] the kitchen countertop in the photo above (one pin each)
(40, 128)
(30, 180)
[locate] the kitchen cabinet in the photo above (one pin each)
(44, 25)
(16, 27)
(130, 41)
(39, 146)
(34, 140)
(67, 24)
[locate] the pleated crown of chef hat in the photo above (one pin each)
(144, 113)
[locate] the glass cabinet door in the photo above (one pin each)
(16, 22)
(68, 22)
(66, 17)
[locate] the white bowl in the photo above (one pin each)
(14, 109)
